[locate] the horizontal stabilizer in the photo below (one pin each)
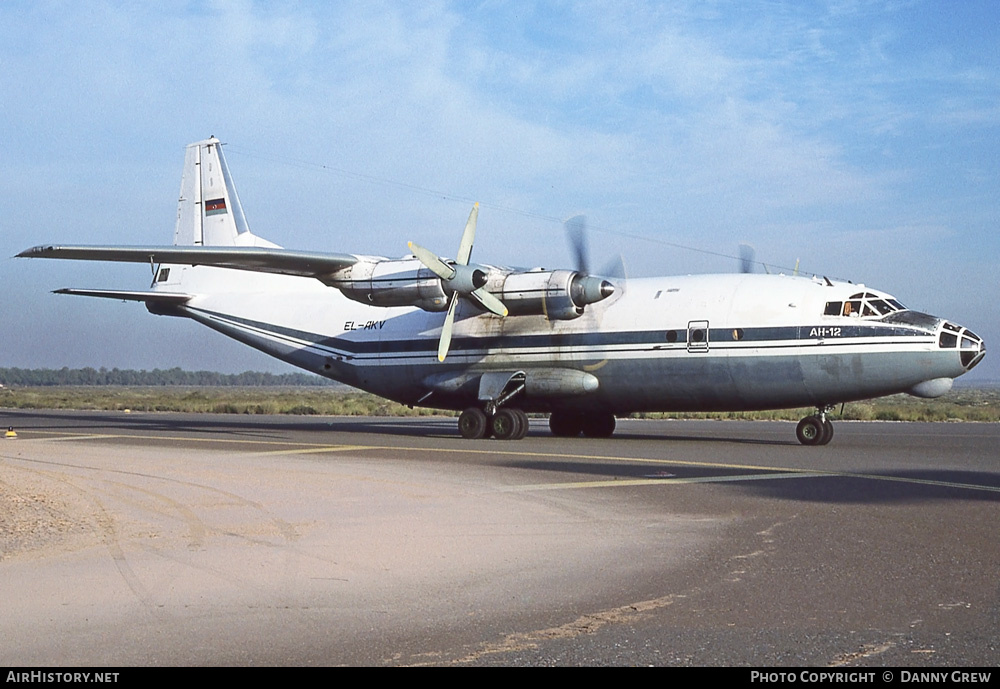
(160, 297)
(258, 259)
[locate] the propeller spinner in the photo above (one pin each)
(588, 289)
(459, 278)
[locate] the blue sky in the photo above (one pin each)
(860, 138)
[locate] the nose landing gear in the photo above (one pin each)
(816, 429)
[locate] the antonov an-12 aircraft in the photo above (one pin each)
(497, 343)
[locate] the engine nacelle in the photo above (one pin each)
(403, 282)
(556, 294)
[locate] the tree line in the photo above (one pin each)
(172, 376)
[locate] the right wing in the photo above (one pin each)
(259, 259)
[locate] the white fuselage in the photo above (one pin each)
(703, 342)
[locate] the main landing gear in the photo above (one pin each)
(511, 423)
(506, 423)
(816, 429)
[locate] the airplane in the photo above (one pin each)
(498, 343)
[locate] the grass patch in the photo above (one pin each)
(216, 400)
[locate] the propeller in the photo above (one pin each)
(459, 278)
(747, 258)
(576, 228)
(588, 289)
(748, 261)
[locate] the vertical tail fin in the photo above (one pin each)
(209, 212)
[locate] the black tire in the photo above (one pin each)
(599, 425)
(506, 424)
(523, 418)
(827, 432)
(472, 424)
(811, 431)
(565, 424)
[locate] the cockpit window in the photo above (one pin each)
(882, 306)
(863, 305)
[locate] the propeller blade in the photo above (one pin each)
(747, 256)
(616, 268)
(432, 261)
(468, 237)
(489, 302)
(444, 344)
(576, 228)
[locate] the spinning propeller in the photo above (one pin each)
(748, 257)
(576, 232)
(459, 278)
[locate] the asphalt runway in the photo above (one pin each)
(171, 539)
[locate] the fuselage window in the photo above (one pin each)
(833, 308)
(697, 335)
(738, 334)
(671, 336)
(164, 274)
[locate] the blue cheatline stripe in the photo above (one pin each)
(598, 343)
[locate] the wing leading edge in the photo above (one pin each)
(259, 259)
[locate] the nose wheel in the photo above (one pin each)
(815, 430)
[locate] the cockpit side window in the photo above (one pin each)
(881, 306)
(863, 305)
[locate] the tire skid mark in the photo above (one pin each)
(286, 529)
(196, 528)
(107, 533)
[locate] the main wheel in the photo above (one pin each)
(565, 424)
(599, 425)
(827, 432)
(506, 424)
(523, 418)
(811, 431)
(472, 423)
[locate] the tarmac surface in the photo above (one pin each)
(172, 539)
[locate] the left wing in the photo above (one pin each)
(258, 259)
